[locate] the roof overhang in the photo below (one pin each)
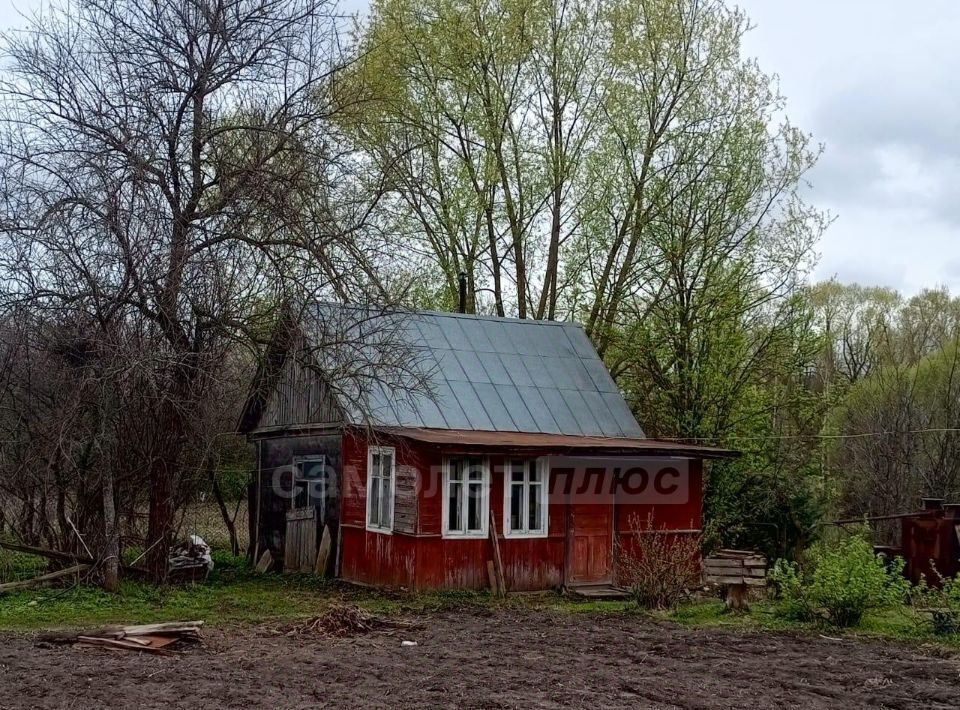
(554, 443)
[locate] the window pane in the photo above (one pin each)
(386, 502)
(516, 507)
(474, 513)
(534, 472)
(534, 522)
(374, 494)
(310, 470)
(456, 470)
(386, 463)
(476, 470)
(454, 512)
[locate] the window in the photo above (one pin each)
(309, 481)
(466, 500)
(525, 499)
(381, 470)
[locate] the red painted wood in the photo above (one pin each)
(590, 529)
(426, 560)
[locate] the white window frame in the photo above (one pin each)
(544, 470)
(484, 500)
(382, 451)
(297, 462)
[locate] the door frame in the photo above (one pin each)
(570, 530)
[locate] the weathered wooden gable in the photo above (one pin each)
(300, 397)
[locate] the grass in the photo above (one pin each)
(900, 623)
(234, 594)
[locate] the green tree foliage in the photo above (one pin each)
(899, 436)
(623, 164)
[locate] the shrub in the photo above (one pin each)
(840, 584)
(658, 566)
(940, 604)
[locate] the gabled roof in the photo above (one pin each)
(505, 375)
(476, 373)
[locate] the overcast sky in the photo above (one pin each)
(876, 82)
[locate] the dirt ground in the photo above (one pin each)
(477, 659)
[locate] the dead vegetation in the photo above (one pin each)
(344, 621)
(658, 566)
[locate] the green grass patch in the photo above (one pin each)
(900, 623)
(233, 593)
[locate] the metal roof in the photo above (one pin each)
(555, 443)
(502, 375)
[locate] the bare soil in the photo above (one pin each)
(478, 659)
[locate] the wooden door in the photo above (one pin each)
(590, 539)
(300, 544)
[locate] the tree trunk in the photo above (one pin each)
(111, 547)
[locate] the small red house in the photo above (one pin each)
(516, 448)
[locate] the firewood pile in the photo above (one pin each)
(161, 639)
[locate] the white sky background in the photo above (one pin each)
(875, 81)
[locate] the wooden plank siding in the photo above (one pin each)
(300, 543)
(274, 479)
(300, 397)
(417, 556)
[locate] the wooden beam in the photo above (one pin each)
(43, 579)
(497, 559)
(43, 552)
(64, 556)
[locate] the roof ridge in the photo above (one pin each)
(488, 317)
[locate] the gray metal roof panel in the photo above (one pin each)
(542, 415)
(517, 371)
(514, 402)
(579, 341)
(539, 371)
(599, 375)
(495, 369)
(449, 367)
(472, 406)
(449, 406)
(471, 365)
(619, 409)
(489, 374)
(587, 419)
(499, 414)
(560, 410)
(598, 407)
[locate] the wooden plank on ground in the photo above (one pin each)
(266, 562)
(323, 554)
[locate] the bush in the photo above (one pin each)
(841, 583)
(940, 605)
(658, 566)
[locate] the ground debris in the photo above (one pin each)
(342, 621)
(148, 638)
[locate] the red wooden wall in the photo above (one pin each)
(425, 560)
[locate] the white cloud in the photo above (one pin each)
(874, 80)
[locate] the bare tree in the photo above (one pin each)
(169, 178)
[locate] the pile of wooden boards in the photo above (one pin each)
(737, 571)
(148, 638)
